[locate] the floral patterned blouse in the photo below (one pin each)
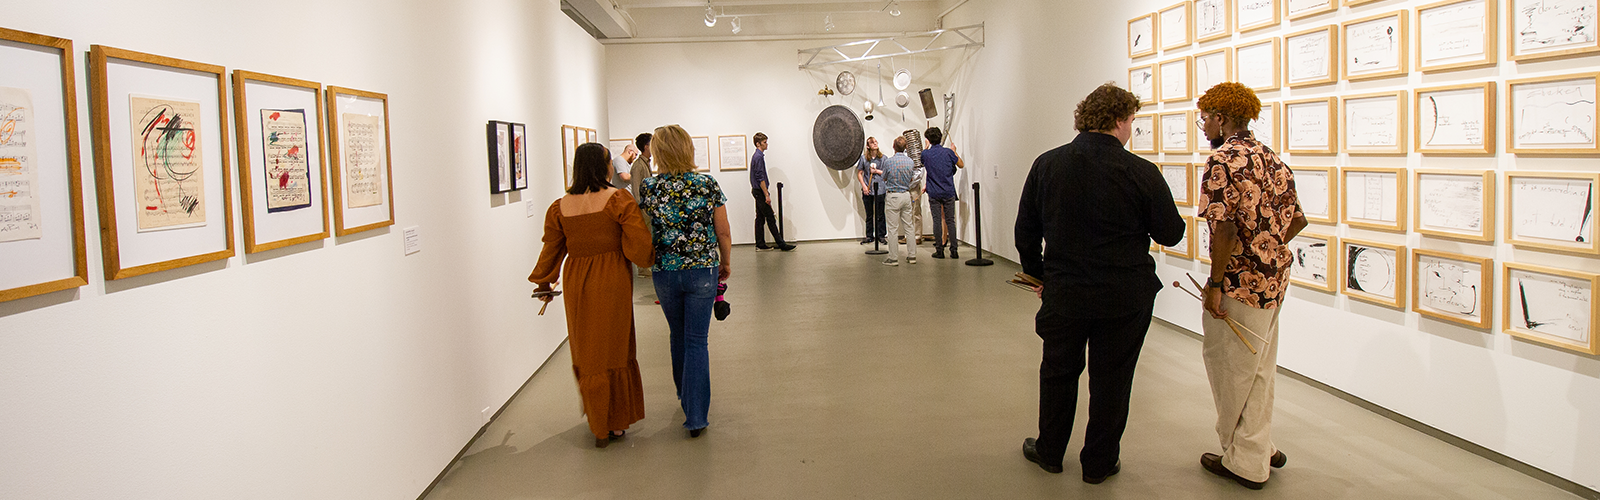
(1247, 184)
(680, 208)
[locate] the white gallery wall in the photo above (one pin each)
(335, 369)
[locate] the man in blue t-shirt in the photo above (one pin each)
(941, 164)
(763, 196)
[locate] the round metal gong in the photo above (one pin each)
(838, 137)
(846, 82)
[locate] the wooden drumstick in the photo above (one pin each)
(1229, 321)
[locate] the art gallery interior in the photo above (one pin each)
(240, 354)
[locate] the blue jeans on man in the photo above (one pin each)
(687, 297)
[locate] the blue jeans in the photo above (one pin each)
(686, 298)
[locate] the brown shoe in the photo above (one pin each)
(1213, 463)
(1279, 460)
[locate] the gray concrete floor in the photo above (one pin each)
(839, 377)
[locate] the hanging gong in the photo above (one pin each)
(838, 137)
(846, 82)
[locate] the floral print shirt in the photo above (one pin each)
(680, 208)
(1245, 183)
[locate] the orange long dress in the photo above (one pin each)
(599, 302)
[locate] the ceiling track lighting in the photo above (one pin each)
(711, 15)
(893, 8)
(736, 27)
(827, 23)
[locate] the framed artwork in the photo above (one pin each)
(1185, 247)
(1142, 82)
(1374, 272)
(282, 186)
(615, 146)
(1318, 188)
(702, 153)
(1211, 20)
(1313, 261)
(1375, 46)
(1544, 29)
(1175, 130)
(1251, 15)
(1553, 114)
(1452, 287)
(1374, 198)
(1311, 57)
(1552, 211)
(1201, 170)
(1455, 204)
(361, 170)
(1455, 119)
(1265, 126)
(1256, 65)
(733, 153)
(1142, 36)
(1296, 9)
(161, 161)
(1310, 125)
(1456, 34)
(519, 156)
(1180, 179)
(1211, 68)
(1550, 306)
(1176, 31)
(1375, 123)
(573, 136)
(42, 245)
(500, 177)
(1173, 81)
(1198, 131)
(1202, 240)
(1143, 139)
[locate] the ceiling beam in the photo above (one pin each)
(932, 41)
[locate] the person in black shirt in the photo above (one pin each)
(1088, 212)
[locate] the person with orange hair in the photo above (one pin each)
(1247, 196)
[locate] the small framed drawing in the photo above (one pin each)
(1201, 170)
(702, 153)
(615, 146)
(1173, 81)
(1452, 287)
(1175, 130)
(1550, 306)
(732, 153)
(1296, 9)
(1552, 211)
(1318, 188)
(1374, 198)
(1142, 36)
(1354, 3)
(1211, 20)
(1265, 126)
(1310, 125)
(1455, 119)
(1256, 65)
(1198, 131)
(1375, 46)
(1173, 22)
(1202, 240)
(1185, 247)
(519, 156)
(1143, 139)
(1311, 57)
(1142, 82)
(1211, 68)
(1374, 272)
(1251, 15)
(161, 161)
(1553, 114)
(1455, 204)
(1543, 29)
(361, 170)
(42, 245)
(281, 185)
(1455, 34)
(1180, 179)
(573, 136)
(499, 157)
(1311, 261)
(1375, 123)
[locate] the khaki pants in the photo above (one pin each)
(897, 208)
(1241, 385)
(916, 213)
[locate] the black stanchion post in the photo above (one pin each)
(977, 218)
(872, 217)
(780, 215)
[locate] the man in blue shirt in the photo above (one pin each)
(758, 189)
(898, 174)
(941, 164)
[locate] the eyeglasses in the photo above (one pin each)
(1201, 122)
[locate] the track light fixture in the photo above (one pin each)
(894, 8)
(736, 27)
(827, 23)
(711, 15)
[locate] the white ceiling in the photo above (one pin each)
(685, 19)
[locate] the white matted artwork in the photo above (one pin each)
(1375, 47)
(1312, 259)
(1549, 305)
(500, 167)
(1185, 247)
(1552, 210)
(1455, 34)
(1201, 170)
(1202, 240)
(1452, 287)
(1256, 65)
(1374, 272)
(1311, 57)
(1455, 119)
(360, 166)
(1142, 36)
(1455, 203)
(1142, 82)
(1265, 126)
(278, 122)
(1251, 15)
(1210, 20)
(519, 156)
(1173, 81)
(1211, 68)
(1310, 125)
(1374, 198)
(1540, 29)
(1554, 115)
(1296, 9)
(616, 146)
(1318, 188)
(702, 153)
(1176, 31)
(1375, 123)
(1180, 180)
(1143, 139)
(732, 152)
(1175, 131)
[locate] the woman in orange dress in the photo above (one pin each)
(596, 230)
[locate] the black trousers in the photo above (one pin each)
(872, 206)
(1113, 346)
(944, 222)
(764, 214)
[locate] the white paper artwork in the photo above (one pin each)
(1451, 118)
(1370, 269)
(1373, 46)
(1174, 27)
(1209, 70)
(1177, 177)
(1552, 209)
(1372, 122)
(1554, 114)
(1255, 12)
(702, 152)
(1144, 134)
(1307, 57)
(1142, 82)
(1449, 286)
(1298, 6)
(1174, 79)
(1372, 196)
(1310, 259)
(1550, 304)
(1453, 33)
(1202, 238)
(19, 168)
(732, 148)
(1263, 127)
(1210, 18)
(502, 140)
(1450, 202)
(1140, 35)
(1256, 65)
(1308, 125)
(364, 160)
(1175, 132)
(1552, 25)
(1312, 186)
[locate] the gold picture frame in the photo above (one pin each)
(1330, 176)
(316, 166)
(1203, 70)
(1549, 130)
(1431, 200)
(1321, 8)
(1242, 26)
(1440, 127)
(1426, 56)
(1204, 15)
(1187, 171)
(1361, 120)
(1176, 17)
(1142, 36)
(1351, 64)
(1442, 287)
(347, 219)
(1349, 216)
(1311, 57)
(1557, 313)
(1302, 250)
(1554, 212)
(1367, 273)
(1168, 125)
(1523, 39)
(1271, 113)
(1202, 240)
(1164, 72)
(1295, 125)
(1146, 129)
(1270, 46)
(1185, 248)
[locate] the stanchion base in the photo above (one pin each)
(980, 262)
(877, 252)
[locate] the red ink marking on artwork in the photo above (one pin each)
(283, 180)
(274, 116)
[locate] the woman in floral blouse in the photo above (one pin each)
(692, 246)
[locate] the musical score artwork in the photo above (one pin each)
(1542, 29)
(1256, 65)
(733, 151)
(1375, 123)
(1318, 188)
(1210, 20)
(1374, 272)
(1311, 57)
(1211, 68)
(1552, 210)
(1142, 82)
(1452, 287)
(1180, 180)
(1265, 126)
(1142, 36)
(702, 153)
(499, 156)
(168, 163)
(361, 170)
(1455, 34)
(1143, 139)
(1202, 240)
(1455, 119)
(1455, 203)
(1550, 306)
(1176, 31)
(1296, 9)
(1553, 115)
(1251, 15)
(519, 156)
(1374, 198)
(1176, 128)
(1173, 82)
(20, 197)
(1375, 46)
(1185, 247)
(1310, 126)
(1312, 261)
(282, 188)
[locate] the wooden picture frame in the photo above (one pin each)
(1256, 65)
(1456, 34)
(1322, 184)
(1453, 287)
(1265, 126)
(351, 173)
(573, 136)
(1526, 42)
(1252, 15)
(1443, 202)
(1553, 115)
(43, 69)
(500, 162)
(155, 236)
(1371, 47)
(1373, 125)
(1212, 19)
(1552, 211)
(1312, 253)
(1202, 240)
(1454, 119)
(1210, 68)
(1298, 10)
(1311, 126)
(279, 220)
(1200, 170)
(1374, 272)
(1311, 57)
(1142, 36)
(702, 153)
(726, 152)
(1174, 80)
(519, 156)
(1357, 3)
(1364, 202)
(1174, 132)
(1142, 82)
(1550, 306)
(1173, 24)
(1145, 131)
(1180, 180)
(1185, 248)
